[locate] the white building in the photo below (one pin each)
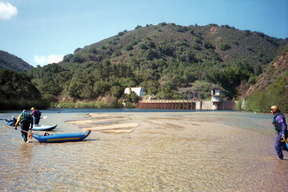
(138, 90)
(215, 98)
(215, 95)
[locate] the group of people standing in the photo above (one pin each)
(26, 121)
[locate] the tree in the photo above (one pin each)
(132, 97)
(67, 57)
(116, 91)
(224, 47)
(78, 58)
(75, 89)
(17, 86)
(128, 47)
(51, 86)
(100, 88)
(164, 94)
(138, 27)
(150, 86)
(229, 78)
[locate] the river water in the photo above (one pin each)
(150, 158)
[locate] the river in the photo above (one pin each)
(170, 150)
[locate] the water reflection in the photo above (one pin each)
(26, 153)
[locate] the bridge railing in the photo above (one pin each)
(167, 104)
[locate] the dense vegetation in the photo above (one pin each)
(272, 87)
(11, 62)
(168, 60)
(17, 91)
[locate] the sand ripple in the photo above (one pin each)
(147, 152)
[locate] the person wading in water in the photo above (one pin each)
(26, 121)
(37, 115)
(280, 126)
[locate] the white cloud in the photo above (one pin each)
(7, 11)
(40, 60)
(44, 60)
(54, 58)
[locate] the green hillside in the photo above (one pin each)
(12, 62)
(164, 59)
(193, 44)
(272, 86)
(170, 61)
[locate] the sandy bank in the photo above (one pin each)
(155, 123)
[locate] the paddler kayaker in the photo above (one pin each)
(280, 126)
(26, 121)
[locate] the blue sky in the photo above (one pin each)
(43, 31)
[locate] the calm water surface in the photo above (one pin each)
(143, 163)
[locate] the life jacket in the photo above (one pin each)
(37, 113)
(278, 126)
(25, 117)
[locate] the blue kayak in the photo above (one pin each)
(65, 137)
(43, 127)
(37, 127)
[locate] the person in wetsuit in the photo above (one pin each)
(11, 122)
(25, 120)
(37, 115)
(280, 126)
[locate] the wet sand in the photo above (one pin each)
(199, 153)
(149, 152)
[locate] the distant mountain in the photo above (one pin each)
(12, 62)
(168, 60)
(195, 44)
